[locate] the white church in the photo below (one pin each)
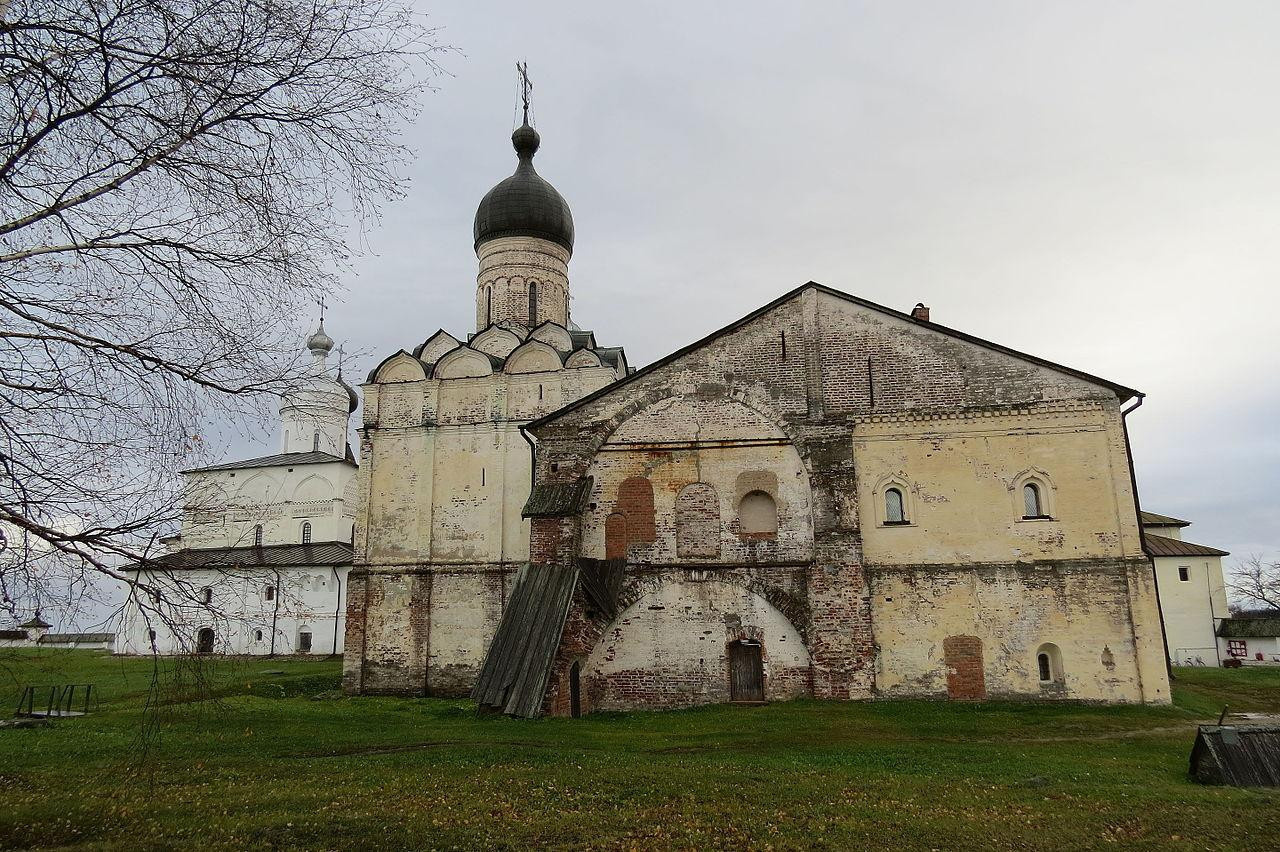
(260, 563)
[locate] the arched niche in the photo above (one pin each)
(438, 345)
(555, 335)
(400, 367)
(312, 489)
(496, 341)
(672, 645)
(464, 363)
(690, 418)
(533, 356)
(583, 358)
(258, 489)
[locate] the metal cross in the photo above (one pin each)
(525, 87)
(321, 300)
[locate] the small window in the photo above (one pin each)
(353, 533)
(1032, 507)
(758, 515)
(533, 303)
(1184, 573)
(257, 635)
(315, 442)
(306, 532)
(207, 595)
(1049, 664)
(488, 306)
(304, 642)
(151, 636)
(257, 536)
(894, 512)
(1237, 648)
(269, 593)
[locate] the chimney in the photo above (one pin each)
(920, 312)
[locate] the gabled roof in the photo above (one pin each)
(268, 556)
(1151, 519)
(35, 622)
(1158, 545)
(1121, 391)
(280, 459)
(557, 499)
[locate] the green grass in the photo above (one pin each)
(280, 761)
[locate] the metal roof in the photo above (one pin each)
(1124, 393)
(73, 638)
(279, 459)
(1249, 628)
(513, 678)
(1151, 519)
(1158, 545)
(268, 556)
(524, 205)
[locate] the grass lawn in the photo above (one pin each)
(279, 760)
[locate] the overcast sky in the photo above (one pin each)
(1095, 183)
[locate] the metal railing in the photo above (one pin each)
(57, 700)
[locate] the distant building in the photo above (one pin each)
(260, 565)
(1193, 594)
(1251, 639)
(35, 633)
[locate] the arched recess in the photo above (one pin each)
(437, 345)
(1048, 665)
(882, 501)
(672, 646)
(533, 356)
(555, 335)
(615, 536)
(584, 358)
(635, 501)
(758, 515)
(698, 521)
(313, 488)
(464, 363)
(400, 367)
(1044, 491)
(496, 341)
(258, 489)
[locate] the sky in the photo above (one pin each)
(1096, 183)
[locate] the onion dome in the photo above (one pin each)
(320, 343)
(524, 205)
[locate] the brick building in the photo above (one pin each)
(826, 498)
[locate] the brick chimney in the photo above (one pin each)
(920, 312)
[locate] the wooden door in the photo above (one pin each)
(746, 672)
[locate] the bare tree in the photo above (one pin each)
(1258, 582)
(177, 178)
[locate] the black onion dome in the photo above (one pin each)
(524, 205)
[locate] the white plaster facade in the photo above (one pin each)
(1192, 591)
(260, 563)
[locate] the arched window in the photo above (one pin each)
(257, 635)
(615, 536)
(315, 442)
(353, 533)
(758, 515)
(1032, 507)
(306, 532)
(204, 641)
(257, 536)
(533, 303)
(304, 641)
(894, 511)
(488, 306)
(207, 595)
(1049, 663)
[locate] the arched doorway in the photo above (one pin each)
(575, 690)
(204, 641)
(746, 672)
